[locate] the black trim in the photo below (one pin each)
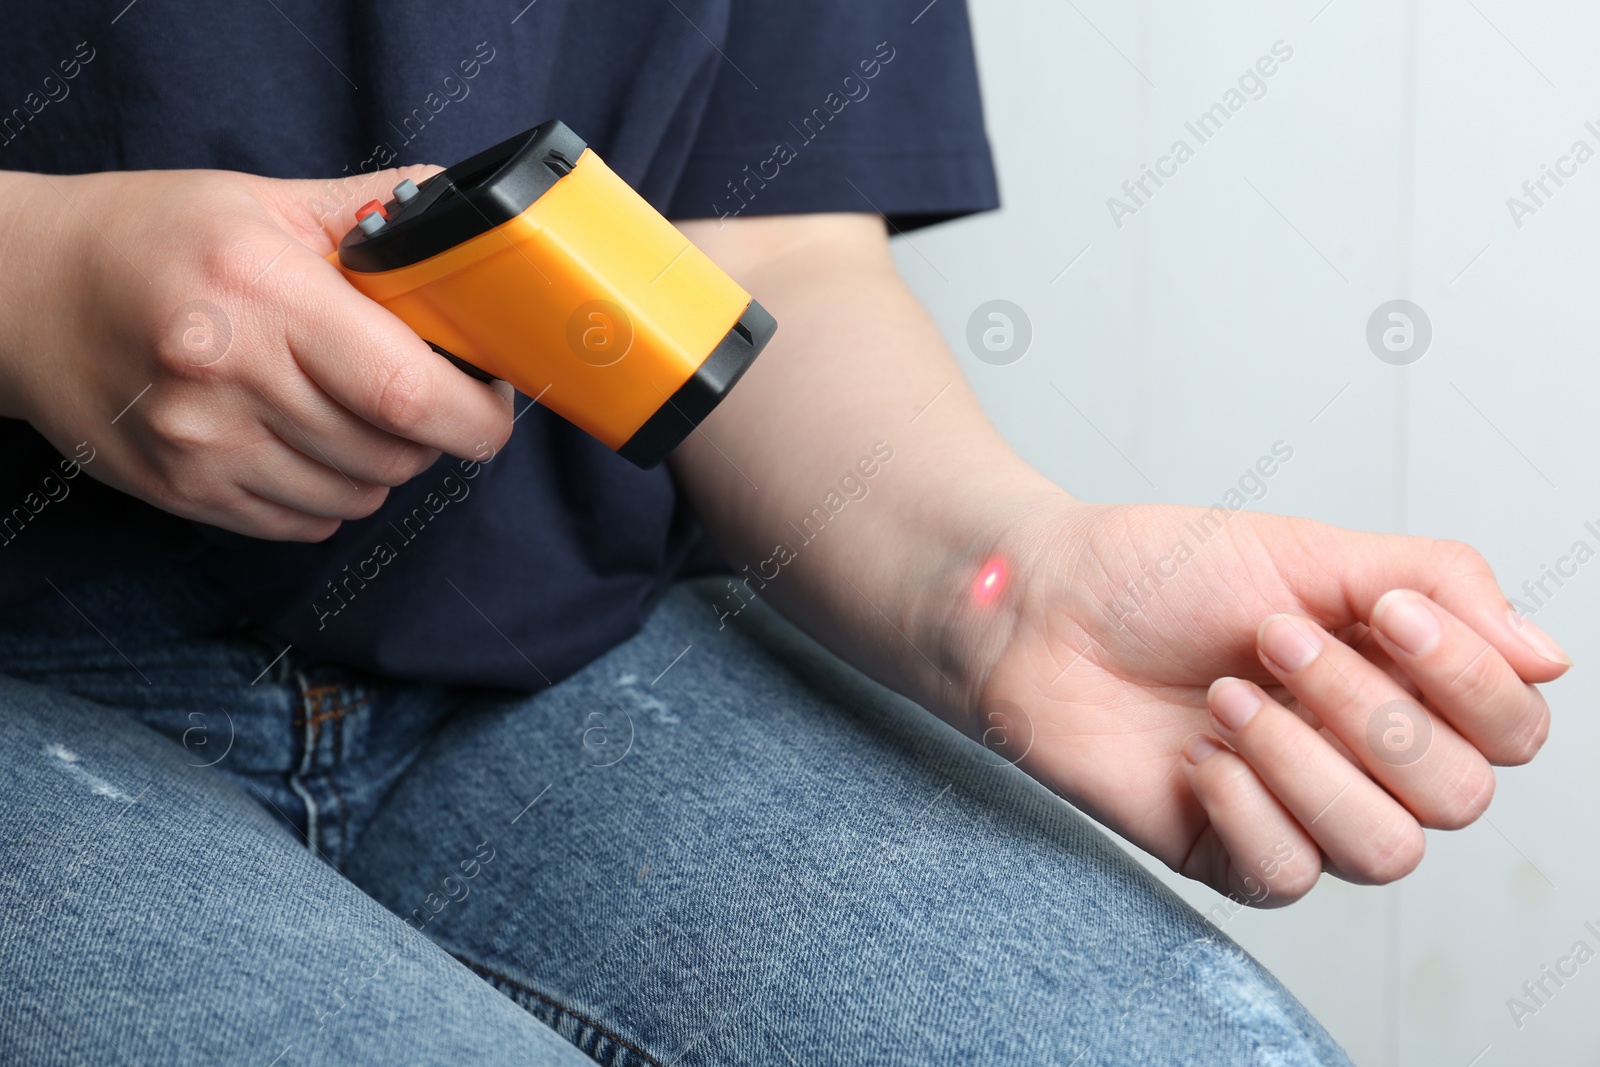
(463, 366)
(695, 398)
(466, 201)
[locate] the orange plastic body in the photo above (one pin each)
(589, 301)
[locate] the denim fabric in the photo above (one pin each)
(711, 846)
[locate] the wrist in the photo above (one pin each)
(969, 588)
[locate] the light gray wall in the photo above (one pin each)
(1231, 309)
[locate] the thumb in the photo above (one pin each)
(1345, 573)
(320, 211)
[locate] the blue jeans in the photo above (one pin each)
(709, 847)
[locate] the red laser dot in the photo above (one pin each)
(990, 580)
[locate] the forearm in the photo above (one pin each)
(885, 576)
(31, 254)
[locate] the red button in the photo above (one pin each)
(369, 208)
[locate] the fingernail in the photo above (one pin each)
(1233, 703)
(1290, 643)
(1537, 639)
(1199, 748)
(1403, 617)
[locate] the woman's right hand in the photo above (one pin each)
(188, 327)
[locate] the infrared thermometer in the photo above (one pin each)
(532, 262)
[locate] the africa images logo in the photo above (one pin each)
(1252, 85)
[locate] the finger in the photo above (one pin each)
(255, 516)
(1282, 695)
(1463, 677)
(371, 363)
(1341, 575)
(1436, 773)
(320, 211)
(1254, 851)
(1360, 638)
(325, 432)
(291, 479)
(1365, 833)
(1365, 641)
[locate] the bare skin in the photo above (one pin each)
(1226, 726)
(1126, 715)
(321, 400)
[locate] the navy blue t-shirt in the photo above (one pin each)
(520, 570)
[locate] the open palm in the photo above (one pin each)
(1347, 689)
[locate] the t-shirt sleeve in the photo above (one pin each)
(848, 105)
